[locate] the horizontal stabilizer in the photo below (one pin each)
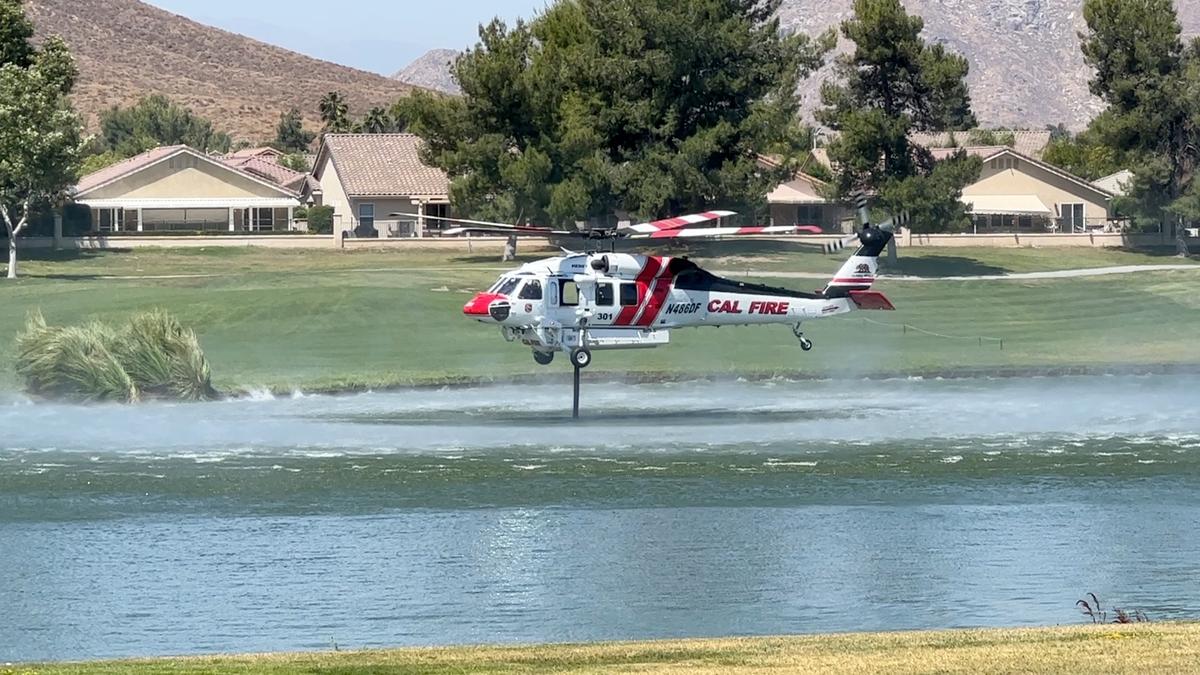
(871, 300)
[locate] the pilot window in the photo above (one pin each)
(532, 290)
(629, 295)
(570, 294)
(604, 295)
(508, 286)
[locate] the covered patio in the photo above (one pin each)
(1007, 213)
(191, 215)
(177, 189)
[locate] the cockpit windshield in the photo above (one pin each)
(506, 285)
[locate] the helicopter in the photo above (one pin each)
(580, 303)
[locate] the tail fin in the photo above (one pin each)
(858, 273)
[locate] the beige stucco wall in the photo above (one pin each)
(201, 181)
(334, 196)
(1028, 178)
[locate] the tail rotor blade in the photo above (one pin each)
(860, 203)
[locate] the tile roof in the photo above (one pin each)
(1031, 143)
(383, 165)
(126, 166)
(266, 168)
(139, 162)
(265, 151)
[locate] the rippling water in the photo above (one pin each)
(691, 509)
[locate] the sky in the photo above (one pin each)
(374, 35)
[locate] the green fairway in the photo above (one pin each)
(332, 320)
(1141, 648)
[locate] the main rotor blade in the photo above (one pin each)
(727, 231)
(484, 225)
(678, 222)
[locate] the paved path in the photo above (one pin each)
(1056, 274)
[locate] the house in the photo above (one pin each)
(378, 186)
(179, 189)
(1117, 183)
(1028, 142)
(802, 201)
(1017, 192)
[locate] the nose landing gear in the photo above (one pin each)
(543, 358)
(805, 343)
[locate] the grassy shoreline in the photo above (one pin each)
(339, 323)
(1155, 647)
(637, 377)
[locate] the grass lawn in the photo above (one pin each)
(1162, 648)
(331, 320)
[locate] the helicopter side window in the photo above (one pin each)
(629, 295)
(508, 286)
(570, 294)
(532, 290)
(604, 295)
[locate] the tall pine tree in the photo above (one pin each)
(648, 107)
(1151, 83)
(891, 85)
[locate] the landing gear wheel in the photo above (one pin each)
(581, 358)
(806, 344)
(543, 358)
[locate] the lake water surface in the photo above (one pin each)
(690, 509)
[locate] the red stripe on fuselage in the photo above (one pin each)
(654, 306)
(649, 271)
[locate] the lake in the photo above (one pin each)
(675, 510)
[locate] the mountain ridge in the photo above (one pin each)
(126, 49)
(1027, 70)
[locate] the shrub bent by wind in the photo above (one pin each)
(150, 357)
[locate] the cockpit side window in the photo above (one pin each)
(508, 286)
(532, 290)
(604, 295)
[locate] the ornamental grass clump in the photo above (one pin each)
(151, 357)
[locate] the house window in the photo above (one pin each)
(437, 211)
(604, 295)
(366, 215)
(808, 214)
(1070, 217)
(570, 294)
(112, 220)
(262, 220)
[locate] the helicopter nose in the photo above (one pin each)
(480, 305)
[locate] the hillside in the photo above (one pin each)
(1026, 68)
(126, 49)
(431, 71)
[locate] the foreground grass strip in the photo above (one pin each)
(1166, 647)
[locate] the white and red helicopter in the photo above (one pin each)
(578, 303)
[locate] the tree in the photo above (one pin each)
(891, 85)
(296, 162)
(156, 120)
(290, 135)
(1150, 82)
(377, 121)
(335, 113)
(16, 31)
(1083, 155)
(568, 117)
(39, 138)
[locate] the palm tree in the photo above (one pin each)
(335, 113)
(377, 121)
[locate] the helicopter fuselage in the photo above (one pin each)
(629, 301)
